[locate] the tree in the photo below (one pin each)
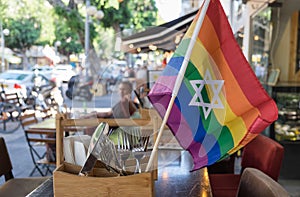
(3, 7)
(41, 10)
(131, 14)
(69, 41)
(24, 33)
(115, 17)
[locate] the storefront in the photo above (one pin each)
(269, 35)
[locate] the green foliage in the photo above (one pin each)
(134, 14)
(114, 17)
(39, 9)
(36, 22)
(3, 8)
(70, 42)
(144, 14)
(71, 24)
(71, 17)
(23, 32)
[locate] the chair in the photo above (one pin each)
(261, 153)
(41, 144)
(14, 98)
(46, 113)
(256, 183)
(17, 187)
(225, 166)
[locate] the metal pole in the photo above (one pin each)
(87, 37)
(2, 47)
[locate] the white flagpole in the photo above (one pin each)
(179, 80)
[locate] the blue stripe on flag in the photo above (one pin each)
(190, 113)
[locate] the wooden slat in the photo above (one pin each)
(66, 181)
(39, 131)
(28, 122)
(45, 140)
(14, 98)
(111, 122)
(25, 116)
(45, 161)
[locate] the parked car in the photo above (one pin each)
(63, 73)
(23, 82)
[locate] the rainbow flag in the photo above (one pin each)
(220, 105)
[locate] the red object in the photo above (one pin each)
(17, 86)
(261, 153)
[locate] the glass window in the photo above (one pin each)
(13, 76)
(297, 67)
(261, 39)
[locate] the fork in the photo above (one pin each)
(139, 148)
(123, 147)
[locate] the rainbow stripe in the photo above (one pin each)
(226, 119)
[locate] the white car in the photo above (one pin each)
(63, 73)
(44, 70)
(22, 82)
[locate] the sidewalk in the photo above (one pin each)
(19, 153)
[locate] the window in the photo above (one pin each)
(297, 67)
(261, 39)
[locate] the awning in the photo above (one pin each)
(10, 57)
(165, 36)
(13, 59)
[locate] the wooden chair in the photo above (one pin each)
(261, 153)
(14, 98)
(17, 187)
(225, 166)
(46, 113)
(41, 144)
(256, 183)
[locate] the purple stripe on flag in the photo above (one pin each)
(163, 87)
(199, 161)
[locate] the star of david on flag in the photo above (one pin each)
(215, 87)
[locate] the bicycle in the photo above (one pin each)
(9, 117)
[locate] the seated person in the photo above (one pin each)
(125, 108)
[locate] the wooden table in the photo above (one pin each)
(47, 124)
(174, 177)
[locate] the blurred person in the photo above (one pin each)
(123, 109)
(141, 76)
(142, 72)
(141, 84)
(129, 72)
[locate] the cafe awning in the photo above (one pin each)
(165, 36)
(10, 57)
